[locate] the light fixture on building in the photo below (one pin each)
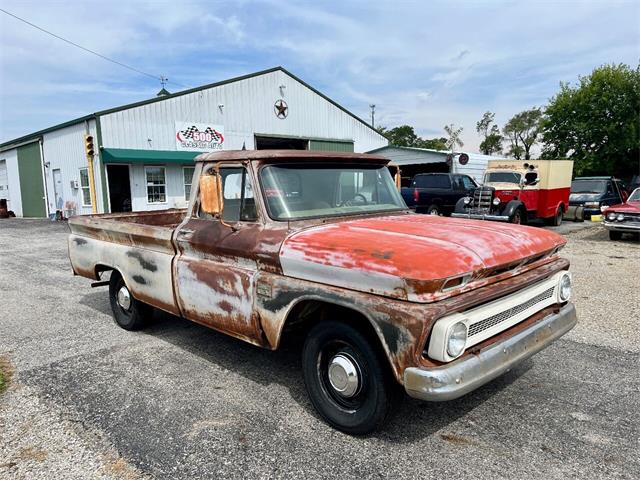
(282, 88)
(220, 107)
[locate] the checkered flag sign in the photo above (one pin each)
(199, 136)
(193, 133)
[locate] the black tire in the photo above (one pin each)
(369, 406)
(433, 210)
(132, 318)
(556, 220)
(613, 235)
(517, 217)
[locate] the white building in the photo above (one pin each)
(145, 150)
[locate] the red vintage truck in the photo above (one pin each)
(321, 245)
(517, 192)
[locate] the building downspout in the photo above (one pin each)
(44, 180)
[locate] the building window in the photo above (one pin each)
(188, 177)
(84, 186)
(156, 185)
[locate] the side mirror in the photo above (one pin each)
(210, 194)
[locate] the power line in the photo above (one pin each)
(157, 77)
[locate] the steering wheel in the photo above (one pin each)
(350, 203)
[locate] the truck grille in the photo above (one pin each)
(482, 197)
(506, 315)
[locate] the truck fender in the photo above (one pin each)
(512, 206)
(460, 208)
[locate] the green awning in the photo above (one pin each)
(127, 155)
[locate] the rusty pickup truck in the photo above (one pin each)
(321, 247)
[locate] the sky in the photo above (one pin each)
(422, 63)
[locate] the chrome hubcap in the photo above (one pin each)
(343, 375)
(124, 298)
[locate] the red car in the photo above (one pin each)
(624, 217)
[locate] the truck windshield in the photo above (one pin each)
(502, 177)
(294, 192)
(588, 186)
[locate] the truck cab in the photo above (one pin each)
(517, 192)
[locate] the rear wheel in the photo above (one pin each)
(556, 220)
(433, 210)
(128, 312)
(346, 378)
(613, 235)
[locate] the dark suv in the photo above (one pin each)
(437, 193)
(591, 193)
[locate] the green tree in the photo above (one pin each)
(434, 143)
(523, 131)
(402, 136)
(491, 137)
(597, 122)
(405, 136)
(453, 139)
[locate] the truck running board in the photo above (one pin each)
(100, 284)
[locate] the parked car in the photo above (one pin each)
(437, 193)
(624, 217)
(518, 192)
(281, 243)
(590, 194)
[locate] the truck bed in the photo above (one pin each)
(138, 245)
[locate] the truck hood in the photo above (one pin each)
(408, 256)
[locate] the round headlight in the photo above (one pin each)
(564, 287)
(611, 216)
(466, 200)
(620, 217)
(496, 201)
(457, 339)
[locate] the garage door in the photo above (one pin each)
(4, 180)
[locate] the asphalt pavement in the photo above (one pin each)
(90, 400)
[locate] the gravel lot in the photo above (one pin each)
(89, 400)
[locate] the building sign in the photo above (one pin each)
(199, 137)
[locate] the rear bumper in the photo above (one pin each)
(481, 216)
(468, 373)
(621, 227)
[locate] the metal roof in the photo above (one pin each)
(12, 143)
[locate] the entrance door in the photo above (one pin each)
(119, 188)
(4, 180)
(31, 185)
(57, 188)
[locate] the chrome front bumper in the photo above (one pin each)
(481, 216)
(622, 227)
(470, 372)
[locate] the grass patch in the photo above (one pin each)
(6, 372)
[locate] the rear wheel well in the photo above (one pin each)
(99, 269)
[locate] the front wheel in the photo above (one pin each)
(347, 381)
(129, 313)
(516, 218)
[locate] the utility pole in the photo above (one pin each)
(373, 115)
